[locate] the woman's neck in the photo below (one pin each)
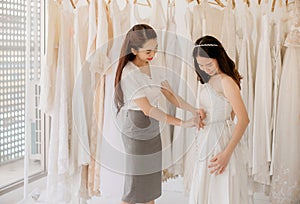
(140, 63)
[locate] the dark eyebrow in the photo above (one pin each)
(206, 64)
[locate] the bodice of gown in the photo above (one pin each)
(218, 123)
(121, 22)
(247, 26)
(217, 107)
(213, 19)
(138, 17)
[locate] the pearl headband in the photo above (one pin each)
(207, 45)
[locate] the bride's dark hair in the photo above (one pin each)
(210, 47)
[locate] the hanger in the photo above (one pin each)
(273, 5)
(233, 4)
(217, 2)
(143, 4)
(173, 2)
(220, 3)
(73, 4)
(247, 2)
(190, 1)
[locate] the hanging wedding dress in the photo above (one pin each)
(245, 69)
(81, 38)
(48, 72)
(212, 24)
(208, 20)
(262, 112)
(121, 24)
(230, 187)
(198, 22)
(182, 143)
(59, 178)
(104, 27)
(245, 66)
(173, 68)
(96, 38)
(92, 32)
(137, 17)
(87, 107)
(257, 13)
(228, 31)
(79, 145)
(279, 30)
(111, 178)
(286, 177)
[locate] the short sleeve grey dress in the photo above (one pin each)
(141, 137)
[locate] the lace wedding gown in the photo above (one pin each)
(230, 187)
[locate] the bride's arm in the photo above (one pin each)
(232, 93)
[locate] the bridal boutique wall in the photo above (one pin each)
(85, 150)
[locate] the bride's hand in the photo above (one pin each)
(219, 163)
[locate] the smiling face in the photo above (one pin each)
(208, 65)
(146, 53)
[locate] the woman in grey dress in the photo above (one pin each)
(138, 87)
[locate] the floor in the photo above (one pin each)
(14, 171)
(172, 194)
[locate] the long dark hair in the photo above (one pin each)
(135, 38)
(210, 47)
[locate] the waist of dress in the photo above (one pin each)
(227, 121)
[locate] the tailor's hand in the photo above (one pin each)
(200, 112)
(201, 115)
(193, 122)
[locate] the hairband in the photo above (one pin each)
(207, 45)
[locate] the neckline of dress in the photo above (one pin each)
(120, 11)
(138, 17)
(217, 94)
(136, 67)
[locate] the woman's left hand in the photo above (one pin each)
(219, 163)
(200, 112)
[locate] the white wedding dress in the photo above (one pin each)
(230, 187)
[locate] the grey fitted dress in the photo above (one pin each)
(142, 144)
(141, 137)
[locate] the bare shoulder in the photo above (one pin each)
(228, 82)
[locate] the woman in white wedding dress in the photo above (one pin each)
(220, 175)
